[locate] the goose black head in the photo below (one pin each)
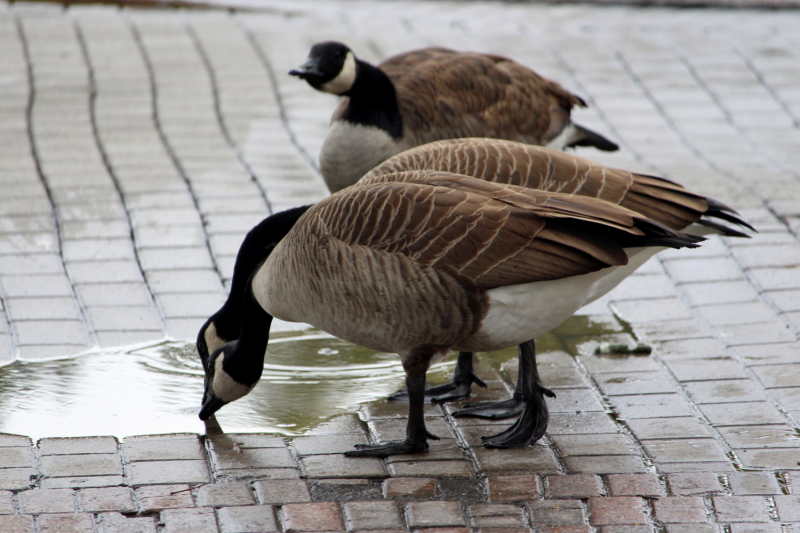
(225, 381)
(331, 67)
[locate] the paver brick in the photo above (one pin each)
(493, 515)
(536, 459)
(157, 472)
(615, 510)
(162, 447)
(15, 478)
(684, 450)
(557, 513)
(16, 457)
(605, 464)
(333, 466)
(66, 523)
(513, 487)
(47, 501)
(594, 444)
(409, 487)
(158, 497)
(753, 483)
(741, 509)
(119, 523)
(434, 514)
(574, 486)
(80, 465)
(6, 502)
(248, 519)
(253, 458)
(788, 507)
(81, 482)
(16, 523)
(106, 499)
(311, 517)
(634, 485)
(372, 515)
(668, 428)
(224, 495)
(742, 413)
(680, 509)
(189, 521)
(280, 491)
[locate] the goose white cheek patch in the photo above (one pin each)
(344, 80)
(225, 387)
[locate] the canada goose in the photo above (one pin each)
(502, 162)
(431, 94)
(420, 262)
(539, 168)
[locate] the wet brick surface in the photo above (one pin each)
(115, 228)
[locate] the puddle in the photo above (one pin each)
(308, 378)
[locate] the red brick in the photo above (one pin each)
(434, 514)
(312, 517)
(680, 509)
(417, 487)
(634, 485)
(513, 487)
(617, 510)
(574, 486)
(693, 483)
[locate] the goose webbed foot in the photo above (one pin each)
(492, 410)
(528, 428)
(530, 393)
(460, 387)
(399, 447)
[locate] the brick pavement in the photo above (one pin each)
(138, 146)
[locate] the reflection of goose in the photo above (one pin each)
(418, 263)
(430, 94)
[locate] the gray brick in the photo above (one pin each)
(189, 521)
(66, 523)
(47, 501)
(157, 472)
(249, 519)
(372, 515)
(80, 465)
(106, 499)
(434, 514)
(153, 448)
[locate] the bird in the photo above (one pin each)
(504, 162)
(432, 94)
(535, 167)
(421, 262)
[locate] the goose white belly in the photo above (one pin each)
(351, 150)
(519, 313)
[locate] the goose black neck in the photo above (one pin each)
(246, 360)
(255, 249)
(373, 101)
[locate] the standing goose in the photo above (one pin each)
(418, 263)
(431, 94)
(539, 168)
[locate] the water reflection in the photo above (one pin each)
(308, 377)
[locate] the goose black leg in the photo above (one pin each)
(463, 378)
(531, 425)
(416, 434)
(514, 405)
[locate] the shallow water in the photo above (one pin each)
(308, 378)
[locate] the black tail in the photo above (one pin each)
(656, 234)
(717, 209)
(587, 137)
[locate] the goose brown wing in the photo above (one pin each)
(491, 235)
(447, 94)
(550, 170)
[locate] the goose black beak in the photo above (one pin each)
(309, 69)
(211, 405)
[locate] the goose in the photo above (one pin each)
(535, 167)
(503, 162)
(421, 262)
(431, 94)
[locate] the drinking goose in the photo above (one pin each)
(417, 263)
(431, 94)
(502, 162)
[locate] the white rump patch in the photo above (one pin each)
(345, 79)
(566, 136)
